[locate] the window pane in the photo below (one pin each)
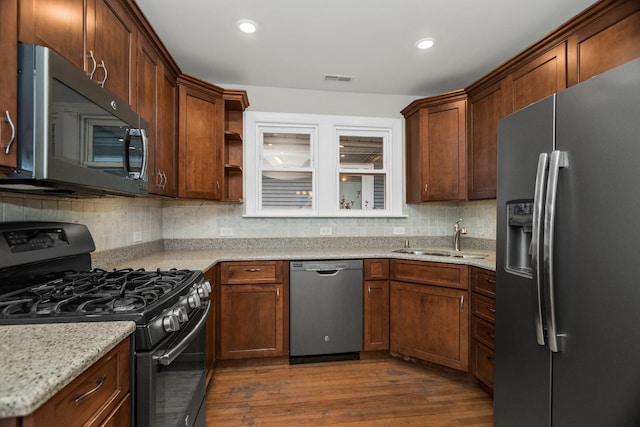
(287, 190)
(362, 191)
(362, 152)
(286, 150)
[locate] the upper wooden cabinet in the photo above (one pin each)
(200, 139)
(8, 83)
(602, 37)
(156, 102)
(436, 148)
(98, 36)
(538, 78)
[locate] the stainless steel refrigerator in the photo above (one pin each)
(567, 346)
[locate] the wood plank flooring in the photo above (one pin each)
(386, 392)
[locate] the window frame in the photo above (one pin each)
(325, 162)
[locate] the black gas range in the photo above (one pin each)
(46, 277)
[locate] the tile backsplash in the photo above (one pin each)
(118, 222)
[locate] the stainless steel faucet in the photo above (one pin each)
(458, 230)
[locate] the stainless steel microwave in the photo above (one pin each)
(74, 137)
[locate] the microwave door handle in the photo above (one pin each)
(536, 234)
(145, 154)
(127, 152)
(558, 160)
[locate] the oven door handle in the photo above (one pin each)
(172, 353)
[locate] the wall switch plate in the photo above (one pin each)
(326, 231)
(226, 231)
(398, 230)
(137, 236)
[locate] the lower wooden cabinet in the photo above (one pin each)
(254, 316)
(376, 305)
(430, 323)
(483, 312)
(98, 397)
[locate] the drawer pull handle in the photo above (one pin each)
(492, 281)
(252, 270)
(490, 359)
(99, 383)
(491, 310)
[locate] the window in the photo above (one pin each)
(299, 165)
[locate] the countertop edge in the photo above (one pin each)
(31, 374)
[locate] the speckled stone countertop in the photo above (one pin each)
(37, 361)
(203, 259)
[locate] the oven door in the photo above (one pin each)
(170, 379)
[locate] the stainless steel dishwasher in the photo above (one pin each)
(325, 309)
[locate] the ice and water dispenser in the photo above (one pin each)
(519, 222)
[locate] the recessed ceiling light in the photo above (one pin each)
(425, 43)
(247, 26)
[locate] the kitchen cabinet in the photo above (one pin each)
(97, 36)
(200, 139)
(8, 83)
(98, 397)
(486, 107)
(376, 305)
(253, 305)
(538, 78)
(483, 317)
(436, 148)
(605, 43)
(235, 102)
(210, 344)
(429, 312)
(156, 103)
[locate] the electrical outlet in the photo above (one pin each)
(398, 230)
(137, 236)
(326, 231)
(226, 231)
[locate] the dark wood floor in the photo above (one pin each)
(386, 392)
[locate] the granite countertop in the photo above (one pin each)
(40, 360)
(203, 259)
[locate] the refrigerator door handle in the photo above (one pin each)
(536, 231)
(558, 160)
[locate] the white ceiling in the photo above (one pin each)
(299, 41)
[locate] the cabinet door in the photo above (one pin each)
(57, 24)
(605, 43)
(166, 156)
(376, 315)
(199, 151)
(8, 83)
(252, 321)
(539, 78)
(486, 108)
(430, 323)
(444, 152)
(111, 35)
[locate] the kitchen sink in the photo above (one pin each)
(440, 253)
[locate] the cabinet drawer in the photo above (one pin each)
(376, 269)
(91, 397)
(236, 273)
(483, 281)
(482, 331)
(482, 363)
(430, 273)
(483, 307)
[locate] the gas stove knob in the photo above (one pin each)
(194, 300)
(207, 285)
(170, 323)
(204, 291)
(181, 314)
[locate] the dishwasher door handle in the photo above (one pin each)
(333, 272)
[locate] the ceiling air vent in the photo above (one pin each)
(337, 78)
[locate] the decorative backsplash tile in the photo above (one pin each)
(113, 221)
